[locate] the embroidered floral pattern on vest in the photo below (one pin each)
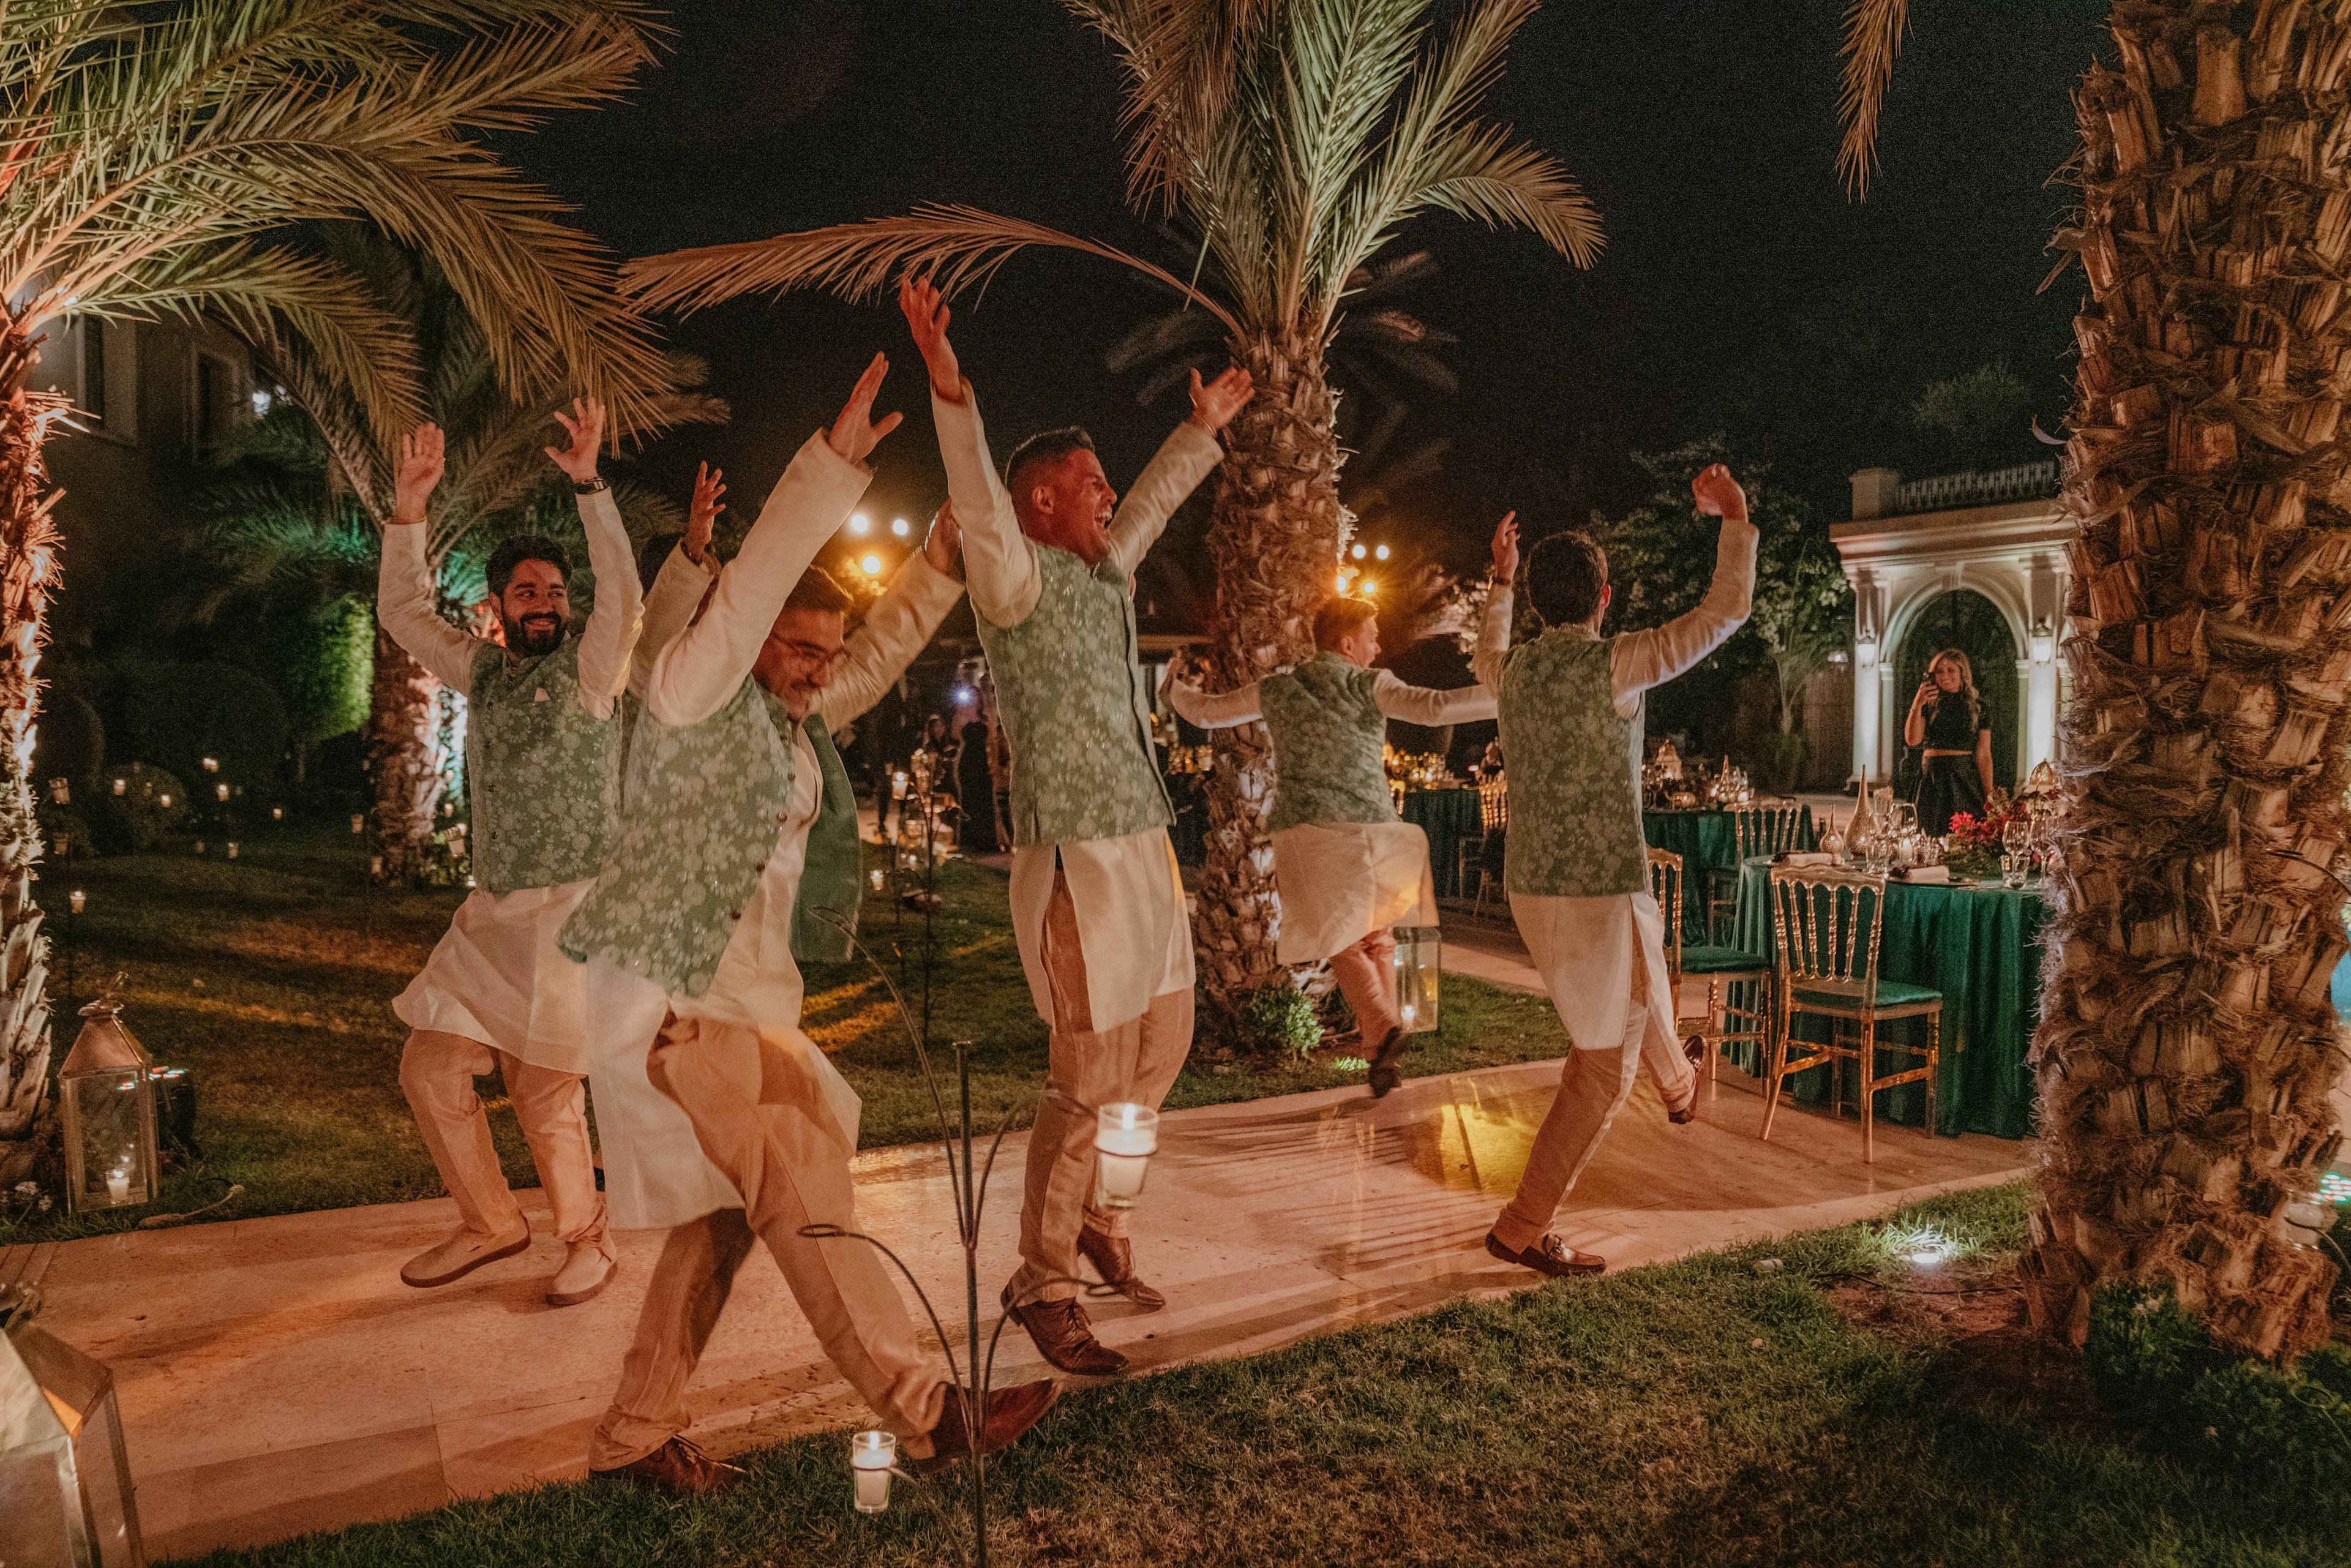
(1069, 681)
(832, 877)
(1575, 794)
(1328, 737)
(543, 773)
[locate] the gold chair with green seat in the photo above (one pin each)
(1826, 924)
(1726, 1020)
(1767, 830)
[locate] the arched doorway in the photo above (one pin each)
(1969, 621)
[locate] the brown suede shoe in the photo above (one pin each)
(677, 1467)
(1694, 1047)
(1064, 1336)
(1113, 1258)
(1387, 1064)
(1548, 1256)
(1010, 1413)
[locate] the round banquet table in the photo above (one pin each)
(1450, 819)
(1707, 842)
(1981, 947)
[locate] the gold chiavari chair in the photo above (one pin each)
(1494, 816)
(1766, 830)
(1732, 1016)
(1826, 923)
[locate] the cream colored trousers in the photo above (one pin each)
(437, 1072)
(757, 1112)
(1085, 1070)
(1366, 977)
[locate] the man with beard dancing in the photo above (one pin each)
(541, 767)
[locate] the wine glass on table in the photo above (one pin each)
(2016, 840)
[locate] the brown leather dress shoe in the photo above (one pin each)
(1113, 1258)
(1694, 1047)
(1549, 1256)
(1010, 1413)
(1065, 1336)
(1387, 1064)
(677, 1467)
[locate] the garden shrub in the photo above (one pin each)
(1780, 761)
(69, 742)
(178, 715)
(153, 806)
(1277, 1021)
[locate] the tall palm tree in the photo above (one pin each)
(1291, 139)
(146, 155)
(2187, 1043)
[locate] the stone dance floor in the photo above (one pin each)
(276, 1378)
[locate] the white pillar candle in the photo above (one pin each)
(871, 1454)
(118, 1186)
(1125, 1137)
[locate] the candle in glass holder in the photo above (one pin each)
(358, 823)
(117, 1185)
(897, 786)
(212, 763)
(375, 865)
(874, 877)
(121, 786)
(60, 791)
(1125, 1137)
(277, 813)
(76, 900)
(65, 843)
(871, 1454)
(232, 849)
(220, 792)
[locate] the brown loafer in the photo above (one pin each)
(1387, 1064)
(1549, 1256)
(1010, 1413)
(1113, 1258)
(677, 1467)
(1065, 1336)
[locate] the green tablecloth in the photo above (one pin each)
(1707, 842)
(1981, 947)
(1450, 819)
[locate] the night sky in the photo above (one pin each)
(1741, 292)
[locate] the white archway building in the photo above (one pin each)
(2000, 534)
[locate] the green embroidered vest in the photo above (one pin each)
(542, 771)
(1574, 774)
(832, 878)
(1069, 683)
(1328, 740)
(705, 801)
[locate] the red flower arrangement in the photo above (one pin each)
(1974, 845)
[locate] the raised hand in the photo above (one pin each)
(945, 541)
(855, 433)
(1214, 405)
(702, 520)
(927, 316)
(1719, 495)
(585, 426)
(421, 462)
(1506, 547)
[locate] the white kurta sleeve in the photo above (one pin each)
(999, 562)
(1493, 639)
(404, 602)
(1430, 707)
(1640, 660)
(670, 604)
(703, 664)
(611, 634)
(1222, 711)
(899, 626)
(1184, 459)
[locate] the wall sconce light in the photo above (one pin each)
(2042, 643)
(1865, 648)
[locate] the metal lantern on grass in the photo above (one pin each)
(1419, 950)
(65, 1480)
(107, 1089)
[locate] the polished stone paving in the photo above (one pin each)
(276, 1377)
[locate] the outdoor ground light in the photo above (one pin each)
(165, 800)
(358, 823)
(121, 786)
(212, 763)
(871, 1454)
(232, 849)
(60, 791)
(65, 1476)
(897, 786)
(1125, 1137)
(873, 879)
(375, 865)
(76, 899)
(108, 1094)
(277, 813)
(65, 843)
(220, 792)
(1420, 951)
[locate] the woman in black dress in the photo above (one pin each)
(975, 788)
(1947, 722)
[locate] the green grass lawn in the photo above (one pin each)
(270, 979)
(1844, 1409)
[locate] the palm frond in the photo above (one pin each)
(960, 247)
(1873, 30)
(1481, 174)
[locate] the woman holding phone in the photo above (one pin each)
(1947, 721)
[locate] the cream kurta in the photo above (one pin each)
(1585, 947)
(656, 1173)
(496, 976)
(1340, 882)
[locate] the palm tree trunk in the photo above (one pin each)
(2188, 1043)
(27, 570)
(1275, 542)
(403, 750)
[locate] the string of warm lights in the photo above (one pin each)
(1353, 579)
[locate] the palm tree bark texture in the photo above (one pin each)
(2187, 1043)
(1275, 541)
(27, 570)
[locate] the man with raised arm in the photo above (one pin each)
(738, 848)
(1349, 869)
(1097, 903)
(1577, 865)
(541, 750)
